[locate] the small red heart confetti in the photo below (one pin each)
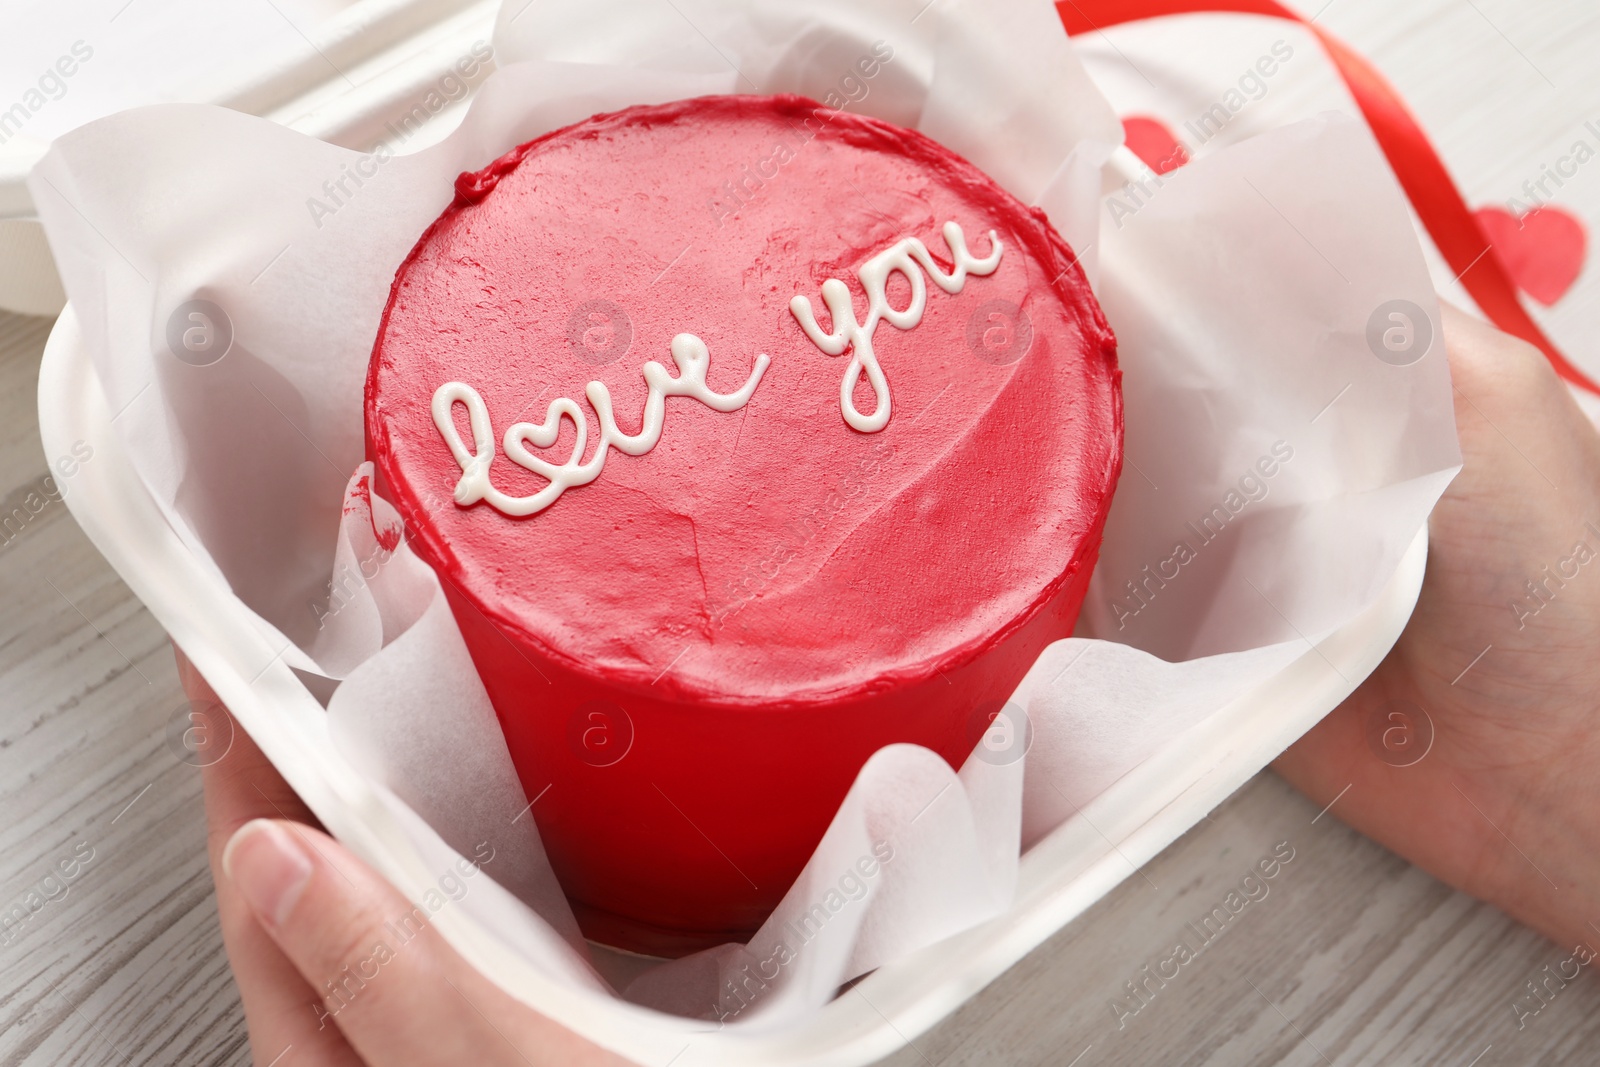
(1153, 142)
(1543, 251)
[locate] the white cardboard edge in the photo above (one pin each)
(1064, 874)
(412, 43)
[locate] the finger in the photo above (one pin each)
(1516, 419)
(282, 1011)
(241, 784)
(392, 985)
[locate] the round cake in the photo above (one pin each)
(747, 437)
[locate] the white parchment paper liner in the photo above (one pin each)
(1241, 293)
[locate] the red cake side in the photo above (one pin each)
(805, 539)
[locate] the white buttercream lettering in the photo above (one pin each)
(688, 352)
(906, 257)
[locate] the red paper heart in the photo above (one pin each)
(1542, 251)
(1153, 142)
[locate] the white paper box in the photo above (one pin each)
(1061, 876)
(384, 51)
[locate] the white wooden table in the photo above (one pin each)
(1355, 957)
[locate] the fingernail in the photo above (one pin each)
(270, 868)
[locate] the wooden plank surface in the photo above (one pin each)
(1352, 957)
(125, 964)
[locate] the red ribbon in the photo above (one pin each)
(1456, 233)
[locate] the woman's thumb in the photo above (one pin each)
(383, 975)
(391, 984)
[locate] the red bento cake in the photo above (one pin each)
(747, 437)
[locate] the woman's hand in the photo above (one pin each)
(1502, 655)
(300, 914)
